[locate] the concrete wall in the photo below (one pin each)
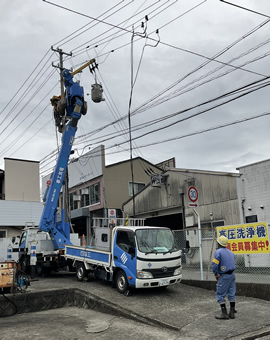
(21, 180)
(255, 189)
(255, 290)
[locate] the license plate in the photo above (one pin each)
(164, 282)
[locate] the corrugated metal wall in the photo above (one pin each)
(17, 213)
(217, 196)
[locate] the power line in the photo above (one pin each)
(155, 40)
(72, 34)
(25, 82)
(109, 37)
(246, 9)
(191, 134)
(87, 16)
(254, 86)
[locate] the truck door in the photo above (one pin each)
(22, 244)
(23, 258)
(125, 253)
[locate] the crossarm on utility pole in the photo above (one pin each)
(83, 66)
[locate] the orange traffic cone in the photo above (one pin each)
(83, 240)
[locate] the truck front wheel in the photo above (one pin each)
(121, 282)
(81, 272)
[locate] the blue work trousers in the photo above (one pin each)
(226, 286)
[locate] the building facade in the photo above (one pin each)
(96, 188)
(254, 196)
(168, 203)
(254, 192)
(19, 196)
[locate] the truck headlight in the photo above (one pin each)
(144, 275)
(178, 271)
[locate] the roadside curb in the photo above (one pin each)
(53, 299)
(87, 300)
(255, 290)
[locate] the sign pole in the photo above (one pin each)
(200, 242)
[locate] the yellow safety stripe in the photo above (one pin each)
(215, 261)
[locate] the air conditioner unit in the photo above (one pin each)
(76, 197)
(85, 191)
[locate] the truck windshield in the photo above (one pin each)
(155, 240)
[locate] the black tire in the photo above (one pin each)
(24, 264)
(71, 269)
(81, 272)
(121, 282)
(39, 269)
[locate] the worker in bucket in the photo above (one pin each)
(223, 266)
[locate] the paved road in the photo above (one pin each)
(182, 312)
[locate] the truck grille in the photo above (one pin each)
(161, 272)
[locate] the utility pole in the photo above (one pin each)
(200, 241)
(60, 66)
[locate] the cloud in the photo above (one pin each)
(177, 64)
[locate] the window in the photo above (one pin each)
(209, 228)
(251, 219)
(73, 201)
(85, 197)
(137, 187)
(125, 240)
(23, 238)
(2, 233)
(104, 237)
(94, 193)
(154, 240)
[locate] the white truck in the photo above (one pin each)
(36, 248)
(133, 256)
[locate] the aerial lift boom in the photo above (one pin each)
(75, 107)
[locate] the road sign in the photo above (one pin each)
(192, 194)
(193, 205)
(112, 213)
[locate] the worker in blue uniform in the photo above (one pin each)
(223, 266)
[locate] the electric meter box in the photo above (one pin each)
(7, 274)
(192, 238)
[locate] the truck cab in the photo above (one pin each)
(145, 257)
(46, 256)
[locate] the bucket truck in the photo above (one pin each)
(48, 241)
(130, 255)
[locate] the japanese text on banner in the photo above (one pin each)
(251, 238)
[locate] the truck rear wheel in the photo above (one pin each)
(24, 262)
(81, 272)
(39, 269)
(121, 282)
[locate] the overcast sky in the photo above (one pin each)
(188, 75)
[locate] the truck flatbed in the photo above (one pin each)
(88, 254)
